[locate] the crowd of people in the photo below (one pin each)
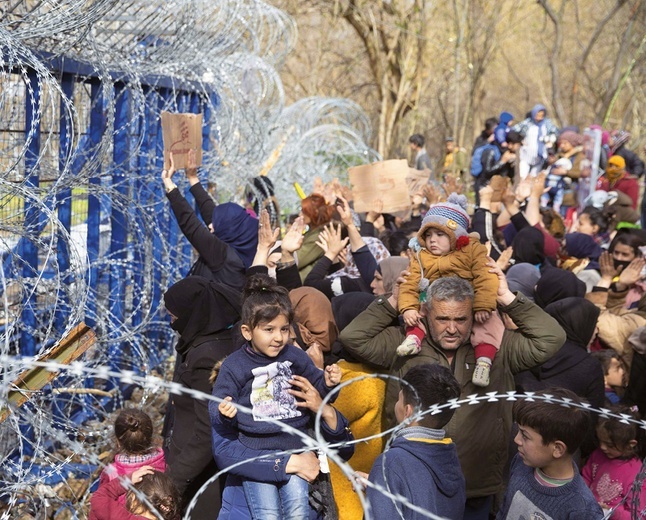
(361, 331)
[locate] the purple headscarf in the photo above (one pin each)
(234, 226)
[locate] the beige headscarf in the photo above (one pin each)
(313, 317)
(390, 269)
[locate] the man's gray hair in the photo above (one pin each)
(449, 288)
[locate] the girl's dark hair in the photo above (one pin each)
(628, 239)
(317, 210)
(263, 300)
(395, 241)
(619, 433)
(597, 218)
(133, 430)
(160, 491)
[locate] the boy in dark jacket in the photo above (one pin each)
(422, 463)
(544, 480)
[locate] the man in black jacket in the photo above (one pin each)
(506, 165)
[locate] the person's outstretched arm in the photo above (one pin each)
(212, 250)
(539, 336)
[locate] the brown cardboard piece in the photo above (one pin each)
(416, 180)
(182, 132)
(385, 181)
(499, 184)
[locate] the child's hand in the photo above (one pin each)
(412, 317)
(482, 316)
(227, 409)
(359, 479)
(141, 473)
(332, 375)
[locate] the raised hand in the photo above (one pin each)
(633, 273)
(167, 175)
(430, 194)
(140, 473)
(373, 215)
(191, 166)
(504, 258)
(607, 267)
(293, 239)
(345, 212)
(266, 237)
(331, 242)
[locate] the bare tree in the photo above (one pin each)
(394, 34)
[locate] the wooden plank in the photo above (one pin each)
(67, 350)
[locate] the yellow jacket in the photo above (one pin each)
(362, 404)
(468, 263)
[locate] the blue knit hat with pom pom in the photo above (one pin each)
(451, 217)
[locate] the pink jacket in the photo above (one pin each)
(610, 481)
(105, 503)
(126, 465)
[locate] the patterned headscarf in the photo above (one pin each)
(621, 137)
(571, 137)
(378, 250)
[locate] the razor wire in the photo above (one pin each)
(84, 446)
(82, 82)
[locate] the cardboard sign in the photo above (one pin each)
(385, 181)
(499, 184)
(181, 132)
(416, 180)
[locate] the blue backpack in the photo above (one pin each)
(476, 160)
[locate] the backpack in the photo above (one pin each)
(476, 160)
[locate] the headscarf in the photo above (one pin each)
(346, 307)
(571, 137)
(523, 277)
(202, 308)
(577, 316)
(620, 138)
(313, 317)
(557, 284)
(390, 269)
(580, 245)
(535, 110)
(529, 246)
(615, 169)
(605, 135)
(376, 247)
(234, 226)
(506, 117)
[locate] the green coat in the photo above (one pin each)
(481, 432)
(309, 253)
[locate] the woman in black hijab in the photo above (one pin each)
(572, 367)
(203, 313)
(556, 284)
(529, 246)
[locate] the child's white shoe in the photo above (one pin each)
(481, 373)
(410, 347)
